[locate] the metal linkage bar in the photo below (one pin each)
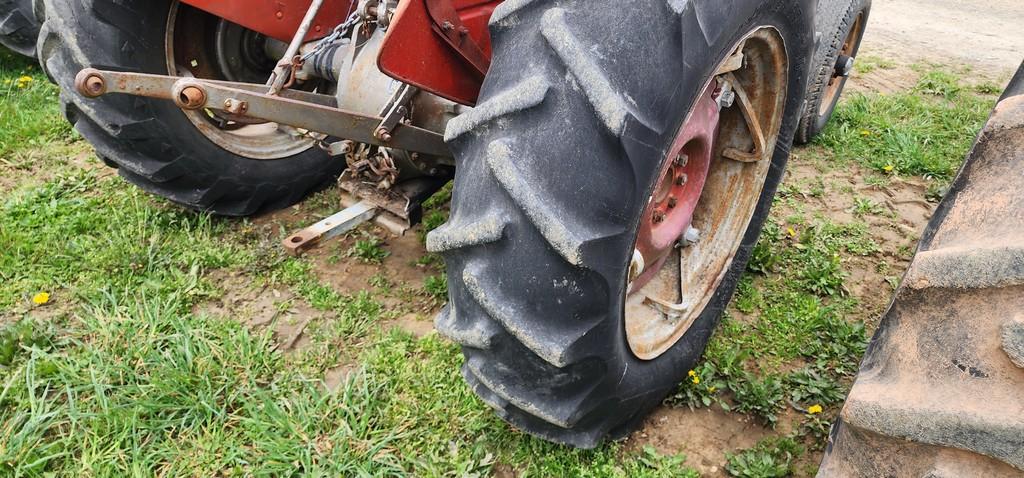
(285, 68)
(333, 226)
(309, 111)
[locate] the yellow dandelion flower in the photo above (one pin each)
(25, 79)
(865, 132)
(791, 232)
(888, 168)
(41, 298)
(692, 373)
(814, 409)
(696, 380)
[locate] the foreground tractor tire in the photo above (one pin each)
(940, 392)
(195, 159)
(842, 24)
(19, 28)
(576, 122)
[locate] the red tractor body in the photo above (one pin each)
(439, 46)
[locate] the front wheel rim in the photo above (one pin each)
(666, 297)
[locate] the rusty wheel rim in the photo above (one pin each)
(849, 49)
(728, 154)
(188, 52)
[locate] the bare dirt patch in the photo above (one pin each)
(703, 435)
(260, 307)
(985, 35)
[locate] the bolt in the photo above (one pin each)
(447, 26)
(382, 134)
(636, 265)
(95, 85)
(192, 98)
(681, 179)
(659, 217)
(672, 202)
(463, 31)
(279, 15)
(682, 159)
(236, 107)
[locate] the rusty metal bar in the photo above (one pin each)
(284, 68)
(340, 223)
(303, 110)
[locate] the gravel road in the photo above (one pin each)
(985, 34)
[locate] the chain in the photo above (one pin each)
(372, 164)
(340, 32)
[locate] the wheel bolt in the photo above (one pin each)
(672, 202)
(659, 217)
(682, 159)
(681, 180)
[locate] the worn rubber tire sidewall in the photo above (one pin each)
(630, 387)
(152, 141)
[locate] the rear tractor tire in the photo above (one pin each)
(595, 149)
(197, 159)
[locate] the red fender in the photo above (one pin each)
(415, 52)
(277, 19)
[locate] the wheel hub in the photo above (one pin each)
(201, 45)
(670, 208)
(705, 195)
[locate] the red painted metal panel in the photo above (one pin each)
(278, 19)
(413, 53)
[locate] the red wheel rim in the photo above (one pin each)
(680, 183)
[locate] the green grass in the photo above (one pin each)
(122, 375)
(770, 458)
(370, 250)
(923, 132)
(29, 110)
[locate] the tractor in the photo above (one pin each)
(613, 161)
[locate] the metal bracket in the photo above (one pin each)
(336, 225)
(448, 25)
(393, 113)
(757, 132)
(293, 108)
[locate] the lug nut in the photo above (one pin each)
(192, 98)
(672, 202)
(682, 159)
(681, 179)
(383, 134)
(659, 217)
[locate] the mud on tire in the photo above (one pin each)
(151, 142)
(553, 170)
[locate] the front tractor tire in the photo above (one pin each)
(195, 159)
(593, 118)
